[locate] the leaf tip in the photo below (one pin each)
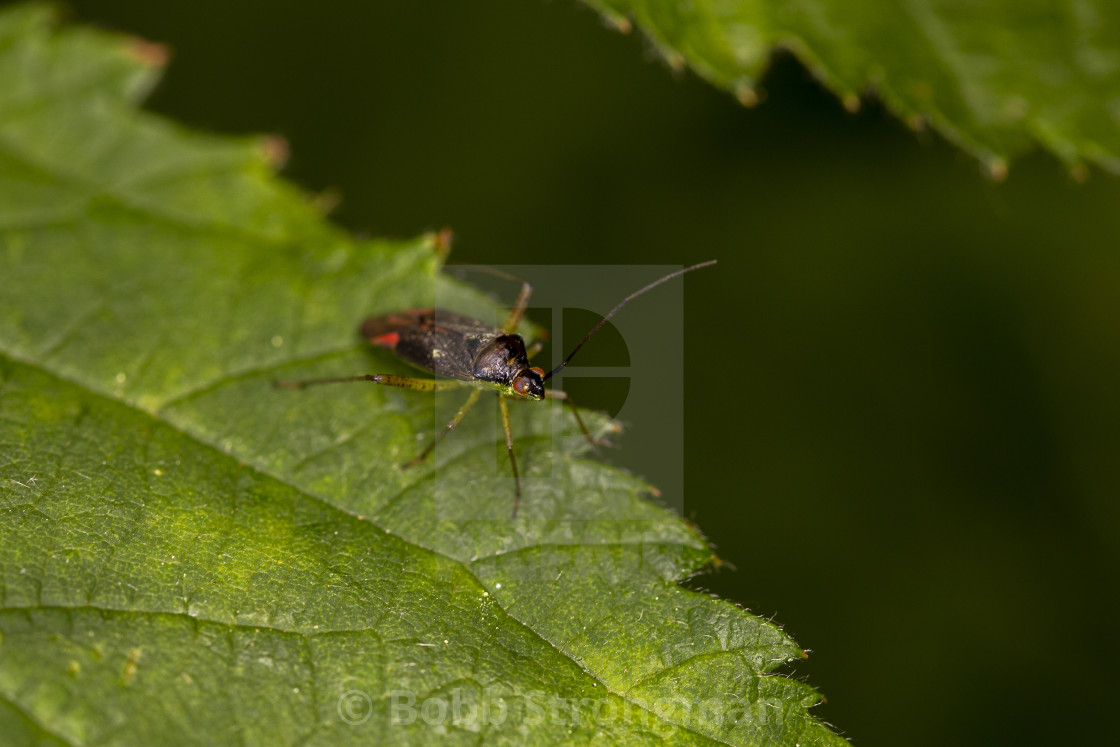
(326, 201)
(148, 53)
(441, 242)
(622, 24)
(917, 122)
(747, 96)
(274, 149)
(997, 170)
(675, 60)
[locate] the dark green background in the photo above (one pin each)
(903, 418)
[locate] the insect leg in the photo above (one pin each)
(403, 382)
(519, 306)
(567, 398)
(518, 309)
(450, 427)
(509, 450)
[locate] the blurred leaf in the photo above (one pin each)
(189, 554)
(992, 77)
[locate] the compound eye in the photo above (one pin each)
(539, 371)
(521, 386)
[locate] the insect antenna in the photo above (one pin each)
(616, 309)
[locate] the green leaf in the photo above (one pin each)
(992, 77)
(188, 554)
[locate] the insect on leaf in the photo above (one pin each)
(188, 554)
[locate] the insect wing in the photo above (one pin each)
(431, 339)
(384, 331)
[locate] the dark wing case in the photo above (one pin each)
(434, 340)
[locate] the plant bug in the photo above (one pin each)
(466, 352)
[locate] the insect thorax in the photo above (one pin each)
(500, 360)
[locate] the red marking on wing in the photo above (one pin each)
(379, 326)
(388, 340)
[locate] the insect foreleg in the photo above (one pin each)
(450, 427)
(567, 398)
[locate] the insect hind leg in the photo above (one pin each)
(401, 382)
